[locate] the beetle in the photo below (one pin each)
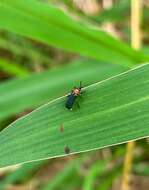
(76, 91)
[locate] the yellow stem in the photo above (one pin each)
(136, 12)
(136, 15)
(128, 166)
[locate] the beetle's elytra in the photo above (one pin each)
(76, 91)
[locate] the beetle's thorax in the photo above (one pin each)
(76, 91)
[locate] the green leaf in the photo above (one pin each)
(57, 181)
(96, 169)
(21, 45)
(52, 26)
(21, 174)
(40, 88)
(112, 111)
(141, 169)
(13, 69)
(117, 13)
(108, 180)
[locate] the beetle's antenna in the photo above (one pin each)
(81, 85)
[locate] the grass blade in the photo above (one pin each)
(96, 169)
(52, 26)
(43, 87)
(13, 69)
(23, 173)
(112, 111)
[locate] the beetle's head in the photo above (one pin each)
(76, 91)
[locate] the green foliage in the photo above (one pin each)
(52, 26)
(22, 49)
(40, 88)
(113, 108)
(112, 112)
(58, 180)
(141, 169)
(118, 12)
(107, 182)
(13, 69)
(96, 169)
(21, 174)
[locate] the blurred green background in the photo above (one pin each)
(25, 61)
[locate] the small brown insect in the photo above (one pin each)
(61, 128)
(67, 150)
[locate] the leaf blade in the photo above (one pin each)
(52, 26)
(40, 88)
(112, 112)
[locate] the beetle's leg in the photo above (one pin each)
(81, 93)
(81, 85)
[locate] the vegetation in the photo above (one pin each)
(47, 48)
